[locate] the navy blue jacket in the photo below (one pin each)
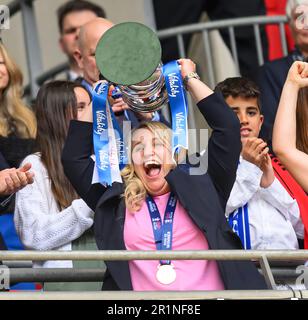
(203, 196)
(271, 80)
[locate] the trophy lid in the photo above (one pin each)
(128, 53)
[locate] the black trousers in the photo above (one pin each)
(171, 13)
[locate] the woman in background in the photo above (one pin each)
(17, 139)
(17, 121)
(290, 136)
(48, 213)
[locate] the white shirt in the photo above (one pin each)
(38, 221)
(274, 216)
(72, 75)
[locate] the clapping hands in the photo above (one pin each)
(12, 180)
(255, 151)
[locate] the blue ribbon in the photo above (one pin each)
(87, 85)
(121, 147)
(178, 105)
(100, 133)
(103, 147)
(239, 222)
(162, 232)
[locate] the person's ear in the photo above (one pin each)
(261, 120)
(78, 57)
(61, 44)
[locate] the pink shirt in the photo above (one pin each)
(190, 274)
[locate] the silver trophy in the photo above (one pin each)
(129, 56)
(148, 95)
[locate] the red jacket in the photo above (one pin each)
(274, 8)
(295, 191)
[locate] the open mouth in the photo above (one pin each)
(152, 169)
(245, 131)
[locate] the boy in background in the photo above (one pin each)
(260, 210)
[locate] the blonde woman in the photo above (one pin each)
(17, 121)
(17, 140)
(161, 200)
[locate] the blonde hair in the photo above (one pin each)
(13, 112)
(135, 192)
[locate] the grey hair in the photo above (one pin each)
(292, 4)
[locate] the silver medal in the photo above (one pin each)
(165, 273)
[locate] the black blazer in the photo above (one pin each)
(203, 196)
(272, 76)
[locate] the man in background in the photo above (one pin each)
(71, 16)
(272, 75)
(89, 37)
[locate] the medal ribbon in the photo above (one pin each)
(178, 105)
(162, 232)
(108, 143)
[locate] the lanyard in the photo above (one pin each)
(162, 232)
(239, 222)
(178, 105)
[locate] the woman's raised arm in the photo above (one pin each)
(284, 133)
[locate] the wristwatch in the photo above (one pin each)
(190, 75)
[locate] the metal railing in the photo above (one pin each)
(263, 257)
(282, 275)
(31, 38)
(159, 295)
(229, 24)
(204, 28)
(118, 255)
